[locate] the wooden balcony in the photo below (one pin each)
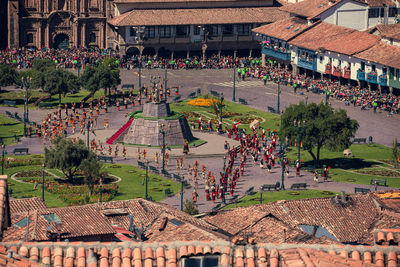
(337, 72)
(346, 73)
(328, 69)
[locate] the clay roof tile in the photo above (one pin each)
(199, 250)
(367, 257)
(191, 250)
(355, 255)
(183, 251)
(207, 250)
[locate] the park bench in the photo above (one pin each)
(361, 190)
(381, 182)
(177, 99)
(243, 101)
(9, 103)
(154, 169)
(270, 186)
(45, 105)
(271, 109)
(168, 192)
(249, 191)
(141, 165)
(214, 93)
(9, 114)
(21, 150)
(192, 95)
(17, 117)
(359, 140)
(298, 186)
(106, 158)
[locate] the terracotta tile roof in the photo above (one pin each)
(379, 3)
(320, 36)
(310, 8)
(171, 254)
(152, 17)
(5, 220)
(347, 223)
(166, 1)
(387, 55)
(388, 31)
(283, 29)
(26, 204)
(390, 200)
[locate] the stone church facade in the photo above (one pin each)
(57, 23)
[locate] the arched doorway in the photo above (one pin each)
(61, 41)
(164, 53)
(132, 51)
(149, 51)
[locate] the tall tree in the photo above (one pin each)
(91, 169)
(38, 72)
(324, 126)
(66, 156)
(395, 153)
(60, 82)
(8, 76)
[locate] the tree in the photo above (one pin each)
(109, 74)
(66, 156)
(8, 76)
(91, 170)
(61, 82)
(38, 72)
(190, 207)
(324, 126)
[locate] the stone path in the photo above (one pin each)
(382, 128)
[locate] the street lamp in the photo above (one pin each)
(234, 84)
(279, 93)
(87, 133)
(139, 38)
(147, 178)
(165, 84)
(182, 181)
(3, 152)
(300, 127)
(283, 162)
(43, 166)
(101, 189)
(163, 131)
(26, 83)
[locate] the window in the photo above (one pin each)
(227, 29)
(196, 30)
(320, 59)
(23, 222)
(382, 12)
(92, 37)
(52, 218)
(29, 38)
(150, 32)
(362, 66)
(181, 31)
(132, 32)
(373, 13)
(384, 71)
(392, 11)
(207, 261)
(373, 68)
(214, 30)
(243, 29)
(165, 31)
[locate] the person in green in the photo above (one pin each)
(243, 74)
(354, 100)
(187, 64)
(265, 79)
(375, 106)
(253, 62)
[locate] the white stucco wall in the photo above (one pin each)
(348, 14)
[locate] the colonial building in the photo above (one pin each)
(57, 23)
(175, 28)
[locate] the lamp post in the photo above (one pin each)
(26, 83)
(43, 166)
(139, 39)
(279, 93)
(165, 84)
(3, 146)
(146, 196)
(163, 131)
(182, 179)
(283, 162)
(87, 133)
(101, 189)
(300, 127)
(234, 85)
(220, 105)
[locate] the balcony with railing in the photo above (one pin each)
(307, 63)
(337, 71)
(328, 69)
(347, 73)
(361, 75)
(276, 52)
(372, 77)
(382, 80)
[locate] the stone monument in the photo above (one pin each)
(156, 119)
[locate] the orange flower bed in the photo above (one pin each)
(202, 102)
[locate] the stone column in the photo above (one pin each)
(187, 53)
(47, 35)
(75, 33)
(234, 53)
(39, 35)
(263, 61)
(83, 34)
(250, 52)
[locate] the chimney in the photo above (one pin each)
(163, 224)
(5, 218)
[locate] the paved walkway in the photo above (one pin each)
(383, 129)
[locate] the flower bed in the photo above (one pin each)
(202, 102)
(31, 173)
(230, 114)
(190, 115)
(247, 120)
(380, 172)
(15, 162)
(79, 194)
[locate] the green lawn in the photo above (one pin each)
(271, 120)
(272, 196)
(130, 186)
(10, 128)
(366, 157)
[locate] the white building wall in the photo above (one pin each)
(348, 14)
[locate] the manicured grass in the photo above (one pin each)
(271, 121)
(365, 157)
(10, 128)
(272, 196)
(194, 143)
(130, 186)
